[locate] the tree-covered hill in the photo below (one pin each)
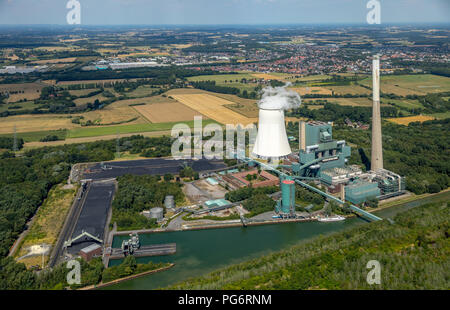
(413, 254)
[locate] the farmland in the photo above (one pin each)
(166, 112)
(410, 119)
(212, 107)
(404, 85)
(27, 91)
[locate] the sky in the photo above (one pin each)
(204, 12)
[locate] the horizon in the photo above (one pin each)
(227, 12)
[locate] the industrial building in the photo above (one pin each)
(89, 252)
(323, 159)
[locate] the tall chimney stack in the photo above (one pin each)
(377, 148)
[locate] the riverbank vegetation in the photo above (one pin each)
(14, 276)
(413, 253)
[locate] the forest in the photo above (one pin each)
(14, 276)
(335, 112)
(26, 180)
(419, 152)
(413, 253)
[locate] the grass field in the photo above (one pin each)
(419, 84)
(48, 222)
(408, 104)
(443, 115)
(350, 89)
(363, 102)
(213, 107)
(27, 105)
(80, 92)
(167, 112)
(124, 129)
(37, 135)
(83, 101)
(142, 91)
(410, 119)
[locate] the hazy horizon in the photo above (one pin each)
(224, 12)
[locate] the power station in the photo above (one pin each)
(323, 160)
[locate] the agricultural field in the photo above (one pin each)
(406, 103)
(167, 112)
(28, 91)
(350, 89)
(246, 107)
(125, 129)
(18, 106)
(419, 84)
(268, 76)
(116, 112)
(363, 102)
(80, 92)
(55, 61)
(221, 78)
(142, 91)
(83, 101)
(212, 107)
(312, 90)
(35, 123)
(411, 119)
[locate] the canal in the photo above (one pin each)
(202, 251)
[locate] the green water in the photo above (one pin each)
(203, 251)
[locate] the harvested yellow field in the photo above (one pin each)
(55, 61)
(116, 112)
(26, 123)
(266, 76)
(167, 112)
(213, 108)
(411, 119)
(312, 90)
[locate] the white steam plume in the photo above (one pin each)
(279, 98)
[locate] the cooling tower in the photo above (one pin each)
(271, 141)
(377, 148)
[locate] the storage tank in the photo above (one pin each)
(157, 213)
(287, 196)
(169, 202)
